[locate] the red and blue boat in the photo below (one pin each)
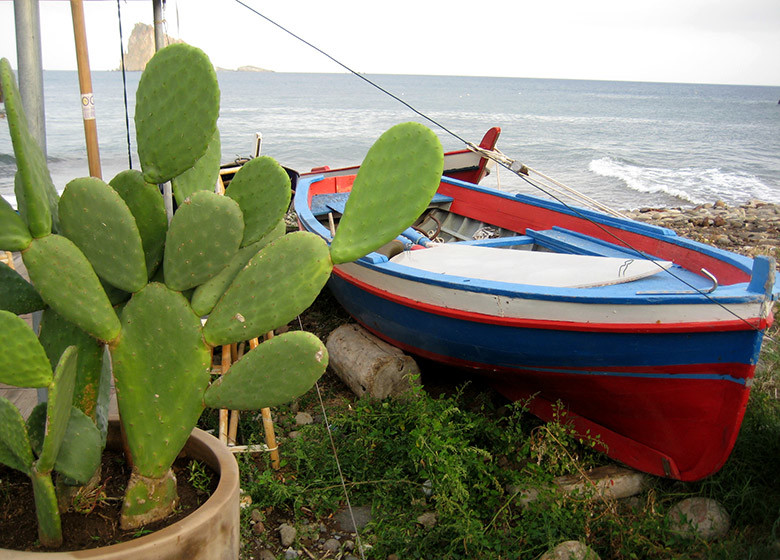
(647, 340)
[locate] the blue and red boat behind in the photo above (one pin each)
(648, 340)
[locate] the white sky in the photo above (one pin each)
(697, 41)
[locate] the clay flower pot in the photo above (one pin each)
(211, 532)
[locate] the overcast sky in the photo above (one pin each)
(698, 41)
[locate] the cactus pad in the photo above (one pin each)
(98, 221)
(14, 235)
(56, 335)
(394, 185)
(279, 282)
(161, 367)
(79, 455)
(176, 109)
(207, 294)
(17, 295)
(66, 281)
(35, 192)
(15, 446)
(203, 175)
(274, 373)
(58, 409)
(23, 362)
(204, 235)
(262, 189)
(148, 207)
(148, 499)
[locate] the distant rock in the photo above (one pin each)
(243, 69)
(140, 47)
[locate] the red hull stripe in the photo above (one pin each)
(712, 326)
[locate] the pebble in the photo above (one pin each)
(287, 534)
(290, 554)
(332, 545)
(266, 554)
(303, 419)
(570, 550)
(427, 520)
(750, 229)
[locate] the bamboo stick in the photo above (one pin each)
(268, 425)
(85, 85)
(223, 413)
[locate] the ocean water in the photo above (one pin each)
(627, 144)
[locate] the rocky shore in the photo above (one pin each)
(751, 229)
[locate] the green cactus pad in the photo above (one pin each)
(176, 110)
(58, 409)
(46, 510)
(14, 235)
(56, 336)
(35, 192)
(15, 446)
(203, 175)
(148, 207)
(262, 189)
(204, 236)
(161, 367)
(23, 362)
(17, 295)
(394, 185)
(280, 282)
(79, 454)
(98, 221)
(207, 294)
(65, 279)
(274, 373)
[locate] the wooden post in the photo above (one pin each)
(85, 84)
(268, 425)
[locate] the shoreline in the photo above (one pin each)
(751, 229)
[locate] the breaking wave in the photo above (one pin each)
(688, 184)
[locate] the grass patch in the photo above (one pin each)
(468, 458)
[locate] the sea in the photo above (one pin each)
(626, 144)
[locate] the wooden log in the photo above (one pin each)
(369, 365)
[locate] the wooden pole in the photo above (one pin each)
(268, 424)
(85, 84)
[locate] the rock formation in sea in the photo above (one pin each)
(140, 47)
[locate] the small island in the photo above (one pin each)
(140, 48)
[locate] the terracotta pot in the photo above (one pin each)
(211, 532)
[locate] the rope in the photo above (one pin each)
(515, 167)
(124, 83)
(338, 463)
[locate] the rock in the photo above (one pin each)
(332, 545)
(362, 516)
(290, 554)
(258, 528)
(287, 534)
(256, 515)
(368, 365)
(703, 517)
(349, 545)
(427, 520)
(140, 47)
(295, 434)
(570, 550)
(392, 557)
(266, 554)
(609, 481)
(303, 419)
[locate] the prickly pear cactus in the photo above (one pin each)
(228, 254)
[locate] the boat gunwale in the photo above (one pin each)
(725, 294)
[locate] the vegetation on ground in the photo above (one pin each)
(466, 456)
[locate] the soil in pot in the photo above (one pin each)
(100, 526)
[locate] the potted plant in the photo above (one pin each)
(111, 272)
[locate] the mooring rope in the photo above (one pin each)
(511, 165)
(124, 83)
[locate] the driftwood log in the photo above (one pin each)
(368, 365)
